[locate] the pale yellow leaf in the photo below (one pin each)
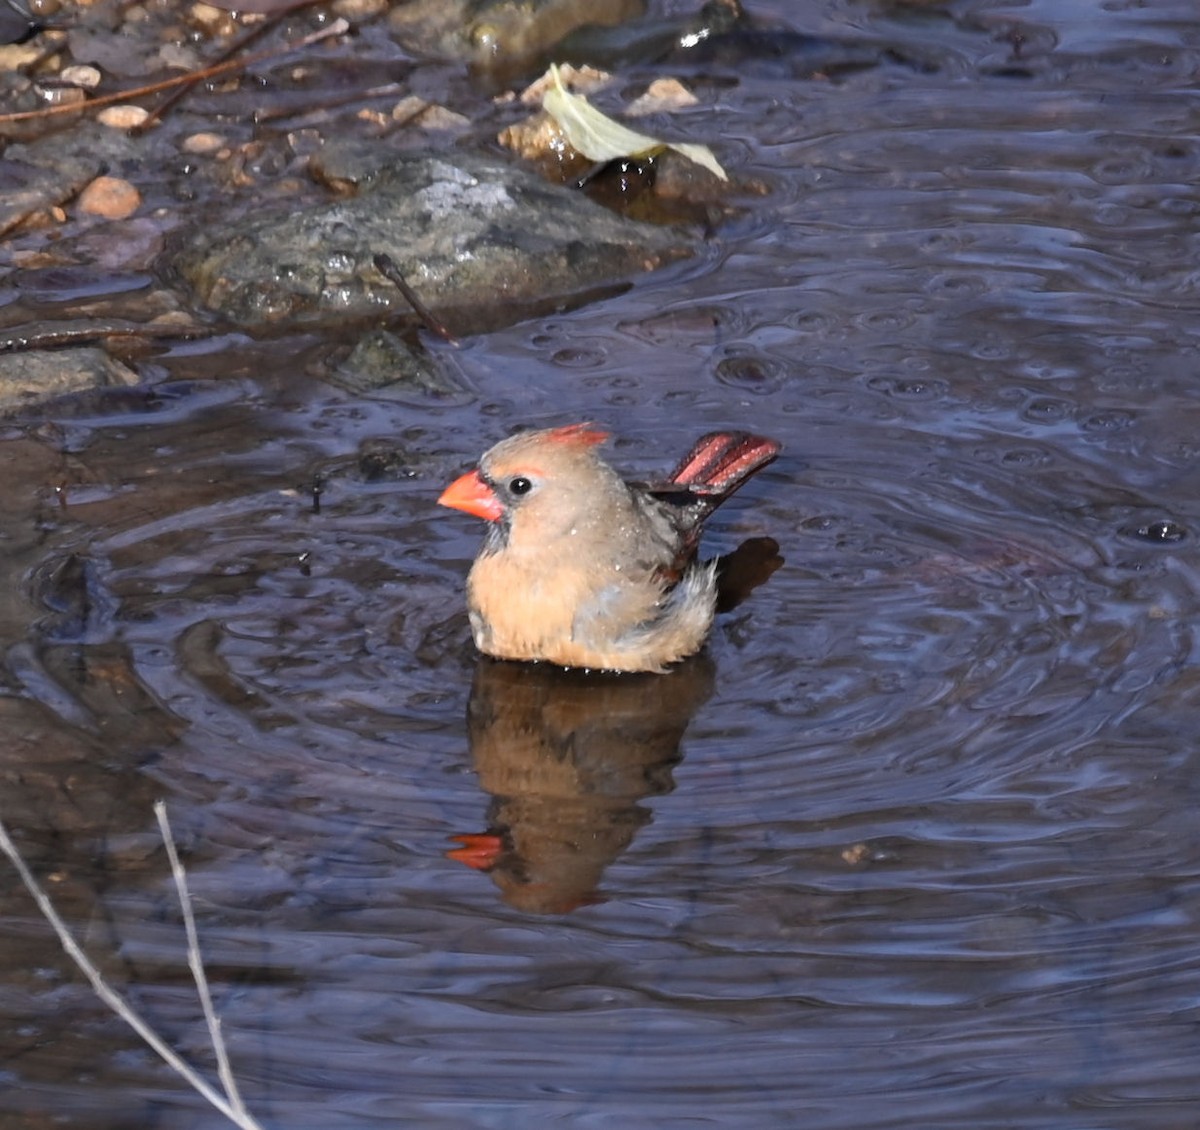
(599, 138)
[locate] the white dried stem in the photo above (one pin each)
(232, 1109)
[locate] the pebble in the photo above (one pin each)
(81, 75)
(662, 95)
(122, 117)
(357, 11)
(208, 16)
(110, 197)
(178, 57)
(578, 80)
(203, 143)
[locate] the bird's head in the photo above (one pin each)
(542, 480)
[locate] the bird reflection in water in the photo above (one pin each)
(568, 755)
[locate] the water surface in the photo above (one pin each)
(913, 844)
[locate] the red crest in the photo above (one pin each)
(577, 435)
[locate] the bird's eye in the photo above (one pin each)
(520, 485)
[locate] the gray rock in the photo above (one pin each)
(500, 33)
(481, 242)
(32, 378)
(53, 169)
(381, 362)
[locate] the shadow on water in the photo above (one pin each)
(931, 856)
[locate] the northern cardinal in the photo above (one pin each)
(582, 569)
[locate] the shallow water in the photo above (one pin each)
(925, 854)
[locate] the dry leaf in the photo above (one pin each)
(599, 138)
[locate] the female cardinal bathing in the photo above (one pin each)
(585, 570)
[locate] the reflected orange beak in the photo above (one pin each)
(470, 493)
(480, 850)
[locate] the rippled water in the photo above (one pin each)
(913, 844)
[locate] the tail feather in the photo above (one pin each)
(721, 461)
(715, 467)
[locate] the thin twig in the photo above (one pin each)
(386, 266)
(338, 27)
(388, 90)
(250, 37)
(68, 333)
(196, 963)
(111, 997)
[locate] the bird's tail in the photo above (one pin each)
(721, 461)
(706, 476)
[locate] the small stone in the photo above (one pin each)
(110, 197)
(173, 318)
(409, 109)
(176, 57)
(203, 144)
(428, 115)
(440, 118)
(662, 95)
(856, 854)
(359, 11)
(578, 80)
(534, 137)
(55, 94)
(122, 117)
(207, 16)
(540, 140)
(14, 56)
(81, 75)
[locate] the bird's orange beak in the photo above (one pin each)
(470, 493)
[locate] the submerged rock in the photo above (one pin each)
(500, 35)
(381, 362)
(32, 378)
(481, 242)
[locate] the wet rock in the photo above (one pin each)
(658, 180)
(381, 461)
(645, 41)
(32, 189)
(27, 379)
(383, 362)
(347, 167)
(1162, 531)
(482, 243)
(79, 606)
(130, 48)
(45, 173)
(748, 47)
(501, 35)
